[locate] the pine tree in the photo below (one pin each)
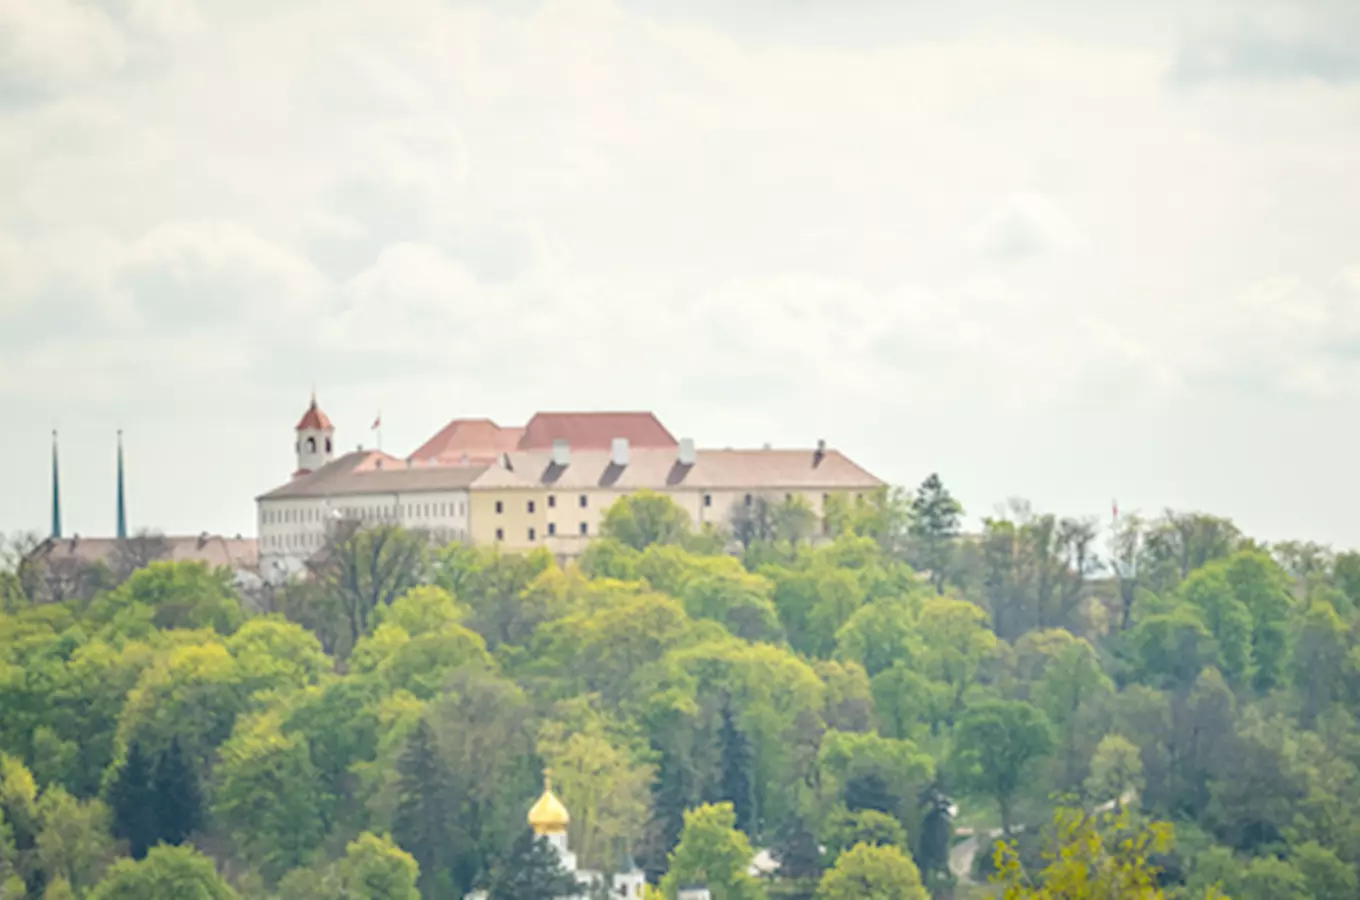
(423, 824)
(736, 770)
(134, 805)
(178, 798)
(935, 516)
(532, 871)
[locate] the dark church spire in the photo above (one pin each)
(122, 503)
(56, 489)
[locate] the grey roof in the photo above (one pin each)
(366, 472)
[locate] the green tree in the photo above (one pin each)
(644, 518)
(994, 744)
(1325, 876)
(267, 795)
(954, 641)
(872, 872)
(935, 518)
(1086, 857)
(531, 871)
(373, 868)
(425, 823)
(879, 634)
(74, 843)
(712, 851)
(502, 591)
(1116, 769)
(845, 828)
(601, 780)
(1209, 591)
(180, 595)
(1267, 878)
(367, 568)
(167, 873)
(177, 795)
(133, 803)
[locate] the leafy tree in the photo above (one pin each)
(1267, 878)
(954, 641)
(1228, 619)
(994, 744)
(167, 873)
(180, 595)
(644, 518)
(1325, 876)
(74, 843)
(872, 872)
(370, 567)
(532, 871)
(739, 600)
(1101, 857)
(601, 780)
(846, 828)
(503, 592)
(712, 851)
(1116, 769)
(880, 634)
(267, 795)
(935, 517)
(373, 868)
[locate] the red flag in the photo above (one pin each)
(377, 422)
(1115, 506)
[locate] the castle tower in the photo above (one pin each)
(315, 435)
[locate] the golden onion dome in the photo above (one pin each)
(548, 815)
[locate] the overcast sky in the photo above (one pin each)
(1069, 251)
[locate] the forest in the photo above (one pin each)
(877, 703)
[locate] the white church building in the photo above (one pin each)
(549, 819)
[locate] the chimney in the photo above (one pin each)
(618, 452)
(561, 452)
(820, 452)
(505, 462)
(685, 456)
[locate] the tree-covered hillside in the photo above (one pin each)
(1167, 706)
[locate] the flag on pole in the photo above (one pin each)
(1114, 506)
(377, 422)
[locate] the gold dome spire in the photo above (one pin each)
(548, 815)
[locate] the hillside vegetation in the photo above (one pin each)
(846, 694)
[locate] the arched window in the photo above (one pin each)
(328, 445)
(311, 445)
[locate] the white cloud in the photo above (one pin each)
(896, 235)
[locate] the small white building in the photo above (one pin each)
(549, 819)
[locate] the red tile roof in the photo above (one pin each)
(474, 438)
(595, 430)
(314, 419)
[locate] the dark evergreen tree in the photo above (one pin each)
(531, 871)
(737, 761)
(870, 791)
(133, 803)
(797, 849)
(424, 824)
(178, 796)
(935, 517)
(932, 847)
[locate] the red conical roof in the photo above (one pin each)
(315, 419)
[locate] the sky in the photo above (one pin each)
(1068, 251)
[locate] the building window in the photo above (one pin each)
(788, 498)
(500, 507)
(552, 501)
(585, 529)
(531, 506)
(532, 534)
(311, 445)
(500, 534)
(825, 498)
(748, 499)
(328, 445)
(552, 529)
(708, 499)
(584, 501)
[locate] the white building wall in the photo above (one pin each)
(291, 530)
